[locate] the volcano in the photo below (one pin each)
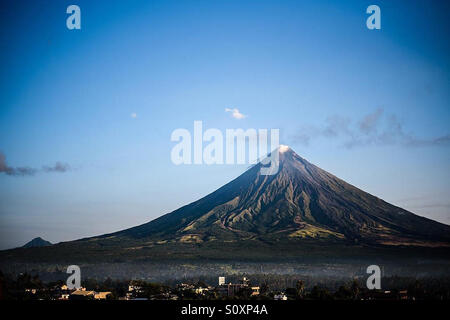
(300, 201)
(301, 211)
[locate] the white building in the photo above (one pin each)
(280, 296)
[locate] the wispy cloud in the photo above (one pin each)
(434, 200)
(133, 115)
(432, 205)
(235, 113)
(14, 171)
(376, 128)
(28, 171)
(58, 167)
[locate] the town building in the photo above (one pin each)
(280, 296)
(82, 295)
(103, 295)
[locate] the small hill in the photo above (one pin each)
(37, 242)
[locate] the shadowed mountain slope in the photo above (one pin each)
(301, 212)
(300, 201)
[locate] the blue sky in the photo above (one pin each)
(307, 68)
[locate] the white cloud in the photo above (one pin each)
(235, 113)
(133, 115)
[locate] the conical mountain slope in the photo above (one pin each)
(301, 201)
(37, 242)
